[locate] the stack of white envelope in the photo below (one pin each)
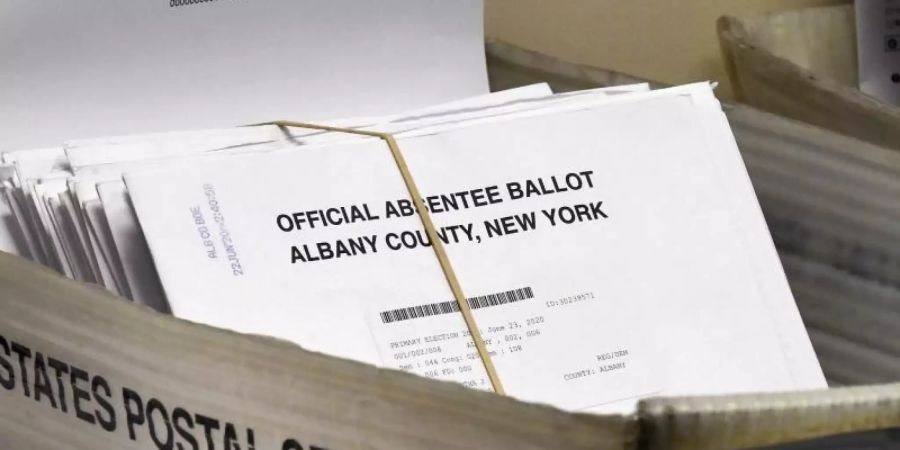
(609, 241)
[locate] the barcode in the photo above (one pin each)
(434, 309)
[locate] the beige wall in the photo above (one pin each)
(671, 41)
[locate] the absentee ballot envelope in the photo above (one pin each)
(107, 158)
(103, 160)
(609, 251)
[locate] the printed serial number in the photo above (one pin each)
(572, 299)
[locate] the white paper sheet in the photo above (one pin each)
(130, 246)
(11, 239)
(670, 285)
(104, 67)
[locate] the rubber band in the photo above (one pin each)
(437, 245)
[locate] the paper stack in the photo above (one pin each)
(609, 242)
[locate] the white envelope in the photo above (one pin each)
(670, 286)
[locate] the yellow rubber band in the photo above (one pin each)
(437, 245)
